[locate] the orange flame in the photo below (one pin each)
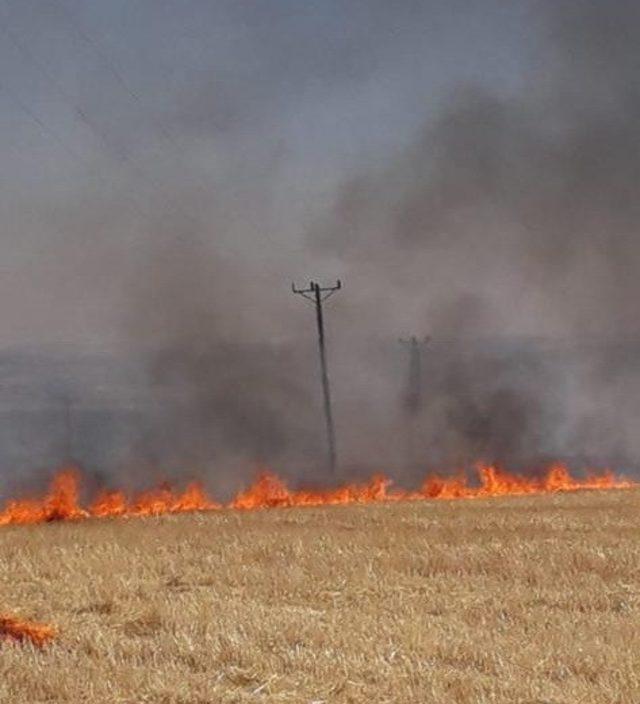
(62, 503)
(12, 628)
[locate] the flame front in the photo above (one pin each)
(12, 628)
(62, 502)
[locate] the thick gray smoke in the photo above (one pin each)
(518, 216)
(471, 174)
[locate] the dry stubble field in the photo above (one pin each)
(525, 600)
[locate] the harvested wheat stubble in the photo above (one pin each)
(501, 601)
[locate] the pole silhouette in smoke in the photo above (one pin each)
(413, 397)
(413, 393)
(318, 294)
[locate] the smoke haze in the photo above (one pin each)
(469, 172)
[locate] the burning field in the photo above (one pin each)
(12, 628)
(330, 238)
(512, 599)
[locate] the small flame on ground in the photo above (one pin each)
(62, 502)
(12, 628)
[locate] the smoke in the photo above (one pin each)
(529, 201)
(469, 173)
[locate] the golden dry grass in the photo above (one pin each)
(526, 600)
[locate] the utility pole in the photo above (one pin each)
(317, 295)
(413, 393)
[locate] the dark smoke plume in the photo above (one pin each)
(518, 215)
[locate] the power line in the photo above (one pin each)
(413, 393)
(116, 151)
(99, 50)
(78, 112)
(47, 131)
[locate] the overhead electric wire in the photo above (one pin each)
(77, 111)
(112, 150)
(98, 49)
(102, 54)
(44, 128)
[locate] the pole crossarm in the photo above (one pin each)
(415, 341)
(310, 293)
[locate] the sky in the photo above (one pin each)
(120, 121)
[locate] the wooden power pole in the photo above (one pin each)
(413, 391)
(317, 295)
